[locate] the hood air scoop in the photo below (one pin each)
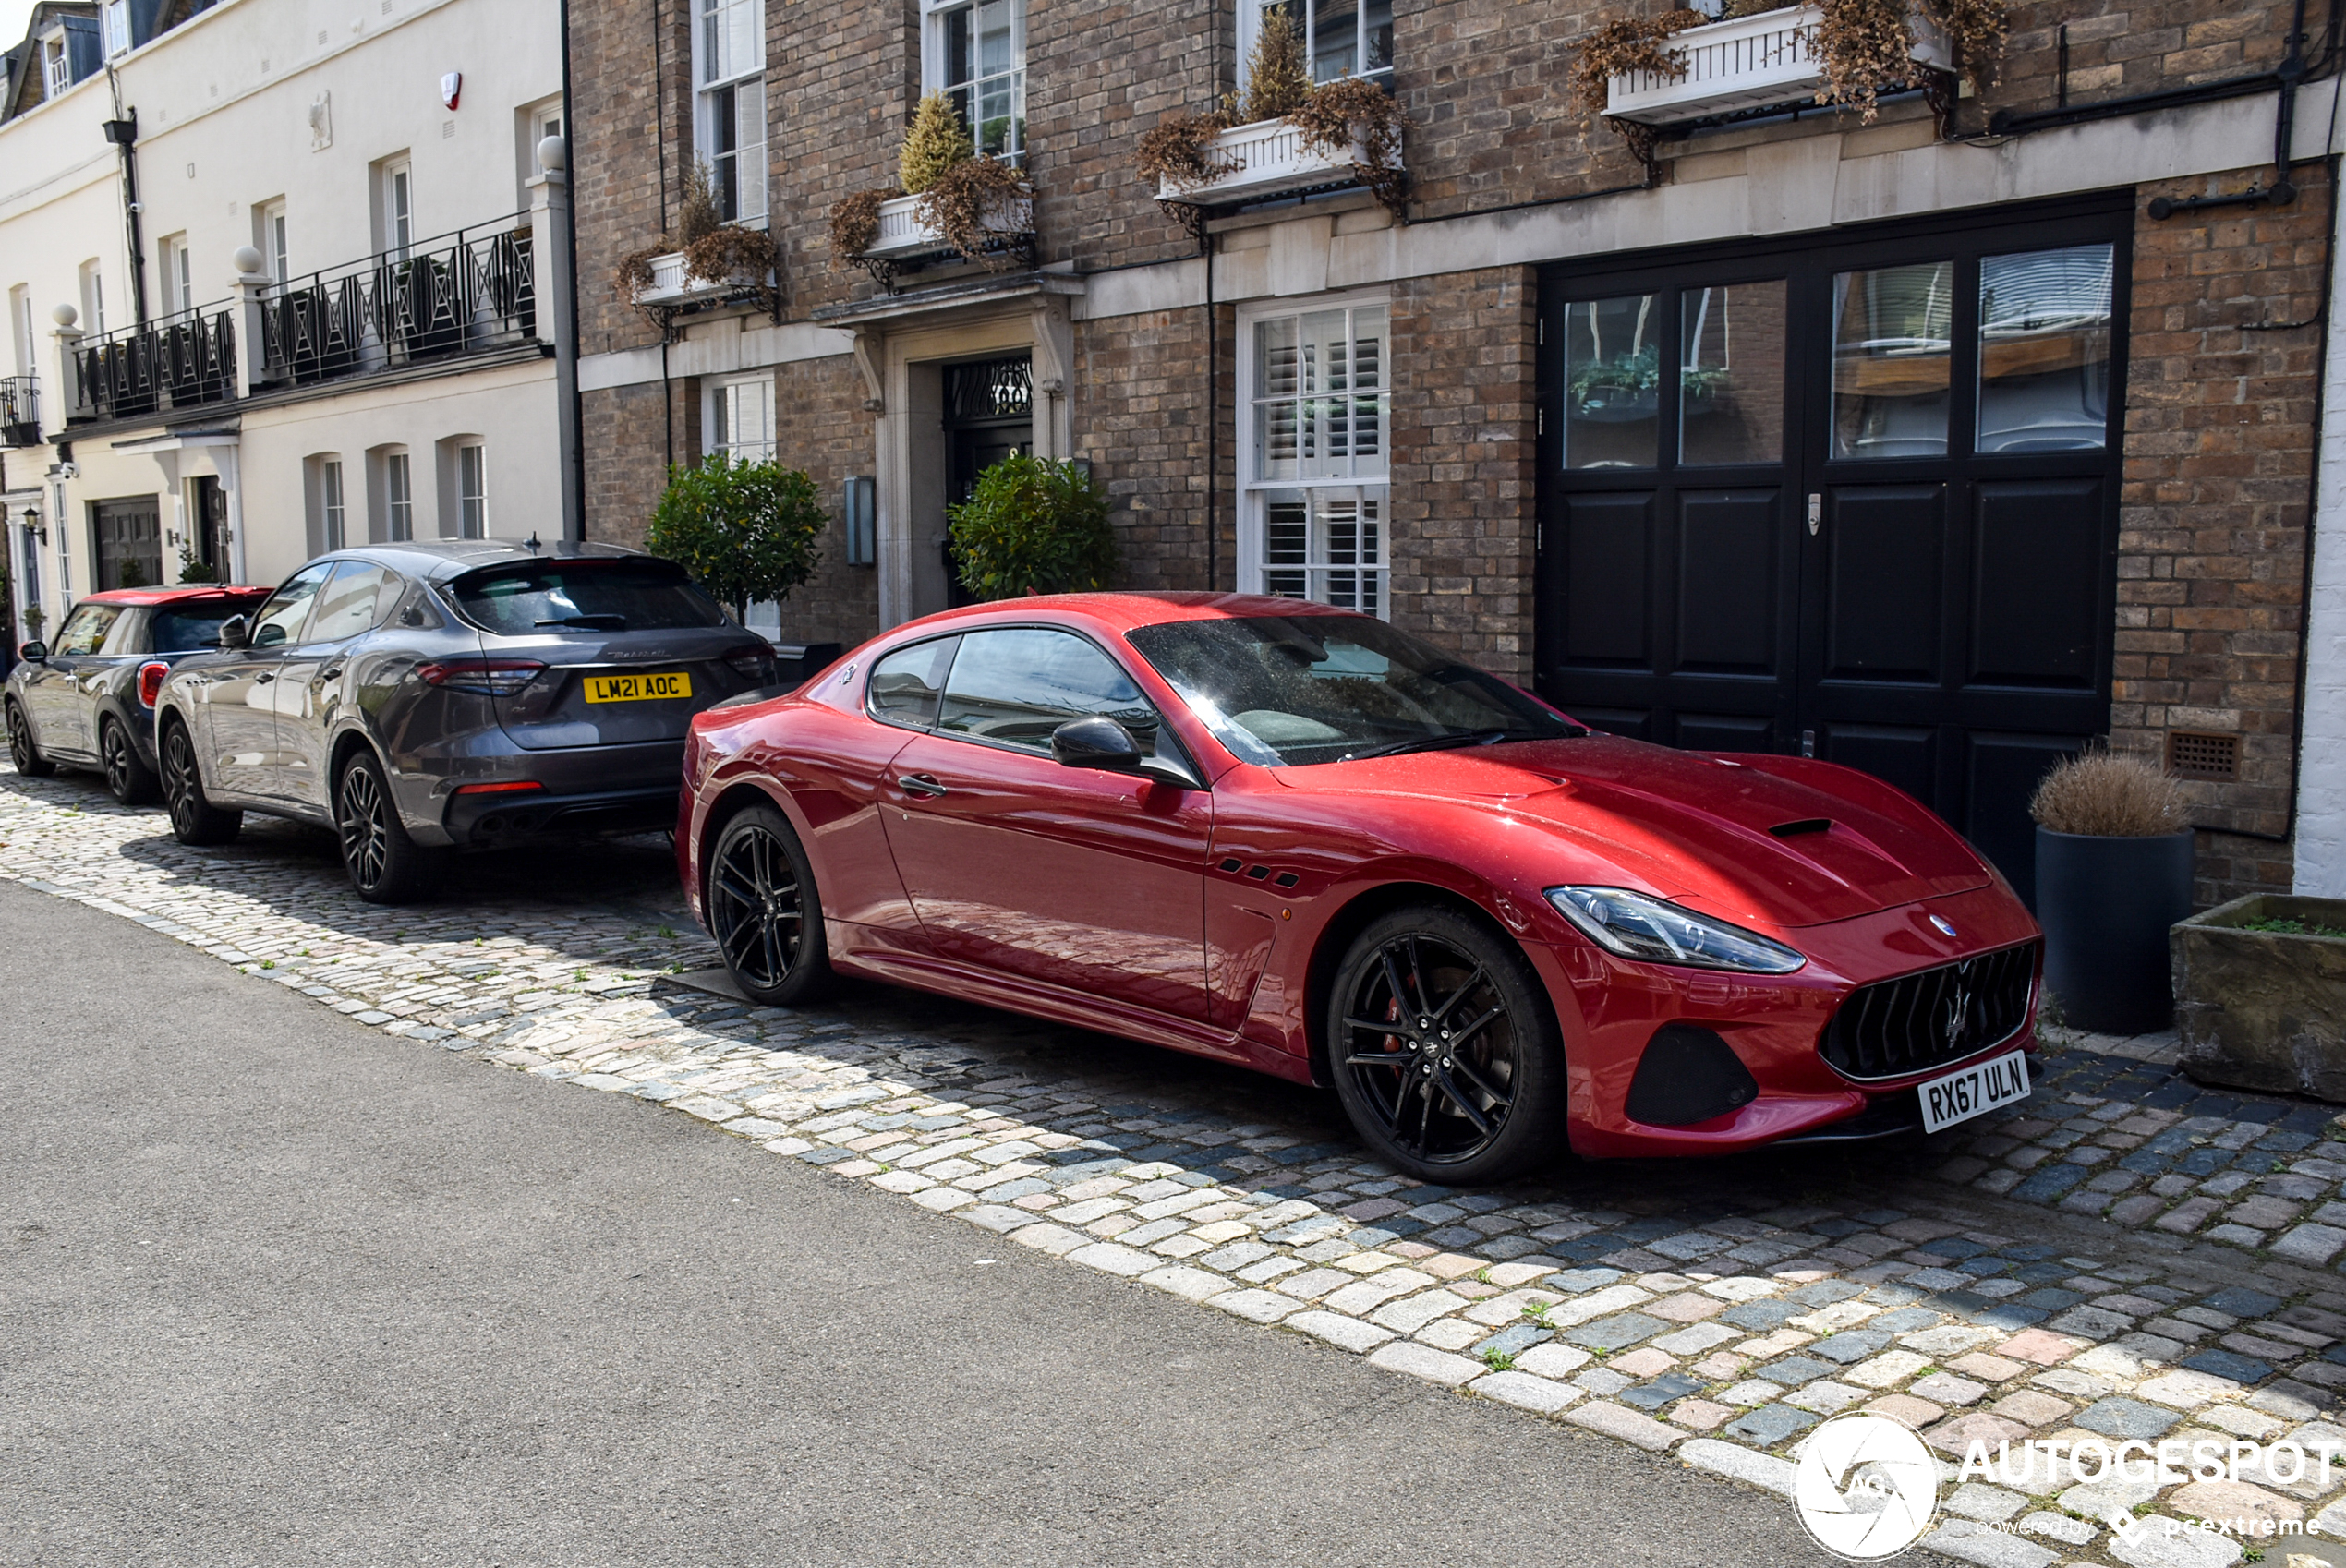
(1806, 825)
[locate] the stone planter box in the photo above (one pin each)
(2262, 1009)
(903, 236)
(1263, 159)
(1766, 61)
(671, 284)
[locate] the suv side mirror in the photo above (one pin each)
(1097, 741)
(33, 652)
(237, 632)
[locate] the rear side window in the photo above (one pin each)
(194, 626)
(906, 684)
(529, 600)
(351, 602)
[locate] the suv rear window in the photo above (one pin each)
(195, 625)
(528, 598)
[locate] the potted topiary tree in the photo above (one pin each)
(1032, 525)
(746, 530)
(2114, 872)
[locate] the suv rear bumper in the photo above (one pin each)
(493, 820)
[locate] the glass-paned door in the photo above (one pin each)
(1854, 500)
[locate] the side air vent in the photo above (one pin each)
(1806, 825)
(1688, 1074)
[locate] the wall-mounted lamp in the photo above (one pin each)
(33, 525)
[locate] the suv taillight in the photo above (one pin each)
(487, 677)
(753, 665)
(150, 675)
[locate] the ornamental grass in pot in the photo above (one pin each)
(2114, 872)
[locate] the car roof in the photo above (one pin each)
(439, 560)
(1128, 611)
(186, 592)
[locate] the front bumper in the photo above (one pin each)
(1611, 1010)
(494, 821)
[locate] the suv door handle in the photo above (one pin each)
(264, 678)
(920, 784)
(333, 674)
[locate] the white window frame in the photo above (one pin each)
(722, 409)
(114, 27)
(729, 66)
(1251, 22)
(333, 504)
(471, 490)
(939, 17)
(399, 496)
(56, 66)
(28, 341)
(398, 188)
(93, 297)
(178, 276)
(274, 254)
(1371, 485)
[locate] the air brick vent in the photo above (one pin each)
(2196, 755)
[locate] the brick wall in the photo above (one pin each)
(2124, 49)
(1139, 417)
(617, 128)
(625, 434)
(1464, 406)
(820, 426)
(2217, 493)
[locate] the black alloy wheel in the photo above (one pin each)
(386, 866)
(194, 819)
(1444, 1051)
(22, 753)
(762, 911)
(130, 780)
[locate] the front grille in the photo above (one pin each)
(1921, 1021)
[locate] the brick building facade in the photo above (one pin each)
(1951, 609)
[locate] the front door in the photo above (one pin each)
(129, 543)
(1855, 501)
(1087, 880)
(989, 415)
(210, 543)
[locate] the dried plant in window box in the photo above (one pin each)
(1621, 46)
(633, 275)
(727, 255)
(855, 224)
(1179, 151)
(1350, 117)
(961, 205)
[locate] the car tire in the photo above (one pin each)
(764, 910)
(22, 753)
(194, 819)
(386, 866)
(1445, 1050)
(130, 780)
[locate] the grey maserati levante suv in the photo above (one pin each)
(423, 698)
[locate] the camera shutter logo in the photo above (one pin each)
(1866, 1487)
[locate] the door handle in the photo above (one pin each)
(333, 674)
(920, 784)
(1816, 512)
(263, 678)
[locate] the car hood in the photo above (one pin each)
(1778, 841)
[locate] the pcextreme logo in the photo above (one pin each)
(1866, 1487)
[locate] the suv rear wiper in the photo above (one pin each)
(1445, 742)
(590, 623)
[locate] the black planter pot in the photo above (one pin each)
(2106, 905)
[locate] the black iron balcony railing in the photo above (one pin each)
(20, 411)
(463, 293)
(179, 361)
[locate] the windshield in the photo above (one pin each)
(1285, 690)
(527, 599)
(194, 626)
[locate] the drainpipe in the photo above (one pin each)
(123, 131)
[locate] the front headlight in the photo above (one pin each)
(1638, 926)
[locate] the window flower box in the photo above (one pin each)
(1768, 61)
(1266, 158)
(672, 286)
(902, 235)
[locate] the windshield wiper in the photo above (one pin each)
(1446, 742)
(590, 623)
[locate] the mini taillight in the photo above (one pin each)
(752, 663)
(151, 678)
(488, 677)
(509, 788)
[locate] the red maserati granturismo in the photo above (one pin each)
(1296, 838)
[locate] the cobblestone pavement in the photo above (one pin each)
(2128, 1257)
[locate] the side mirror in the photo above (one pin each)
(1099, 742)
(237, 632)
(33, 652)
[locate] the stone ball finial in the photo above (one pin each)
(554, 154)
(64, 315)
(245, 260)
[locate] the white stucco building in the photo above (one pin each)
(279, 275)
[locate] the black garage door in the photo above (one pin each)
(1854, 498)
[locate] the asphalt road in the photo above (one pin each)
(275, 1289)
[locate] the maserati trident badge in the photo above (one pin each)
(1946, 927)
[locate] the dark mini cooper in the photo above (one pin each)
(427, 697)
(87, 699)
